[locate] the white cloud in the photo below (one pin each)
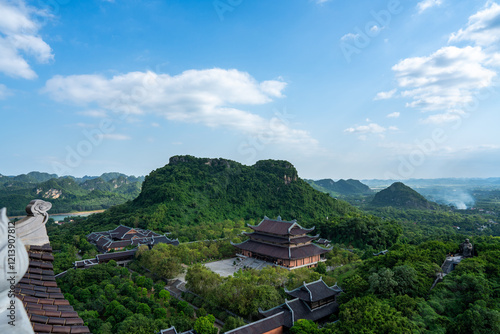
(115, 136)
(363, 131)
(385, 95)
(375, 29)
(483, 27)
(273, 88)
(321, 1)
(210, 97)
(494, 60)
(349, 36)
(445, 80)
(94, 113)
(155, 125)
(393, 114)
(371, 128)
(19, 39)
(447, 117)
(426, 4)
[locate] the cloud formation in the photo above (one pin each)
(210, 97)
(448, 80)
(393, 114)
(422, 6)
(483, 28)
(19, 38)
(363, 131)
(385, 95)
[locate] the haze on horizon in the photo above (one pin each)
(371, 89)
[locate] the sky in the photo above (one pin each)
(342, 89)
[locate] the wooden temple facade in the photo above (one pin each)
(282, 243)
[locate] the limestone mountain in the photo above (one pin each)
(401, 196)
(190, 190)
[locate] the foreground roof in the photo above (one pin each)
(46, 306)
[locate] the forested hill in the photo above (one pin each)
(341, 187)
(189, 191)
(399, 195)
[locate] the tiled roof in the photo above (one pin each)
(280, 227)
(45, 305)
(163, 239)
(264, 325)
(124, 236)
(314, 291)
(300, 310)
(281, 252)
(170, 330)
(120, 231)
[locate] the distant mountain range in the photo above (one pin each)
(446, 182)
(341, 187)
(67, 193)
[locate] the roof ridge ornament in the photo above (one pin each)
(11, 274)
(310, 293)
(31, 229)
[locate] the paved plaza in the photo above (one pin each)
(227, 267)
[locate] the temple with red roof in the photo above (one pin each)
(282, 243)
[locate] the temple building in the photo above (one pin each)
(124, 236)
(313, 301)
(282, 243)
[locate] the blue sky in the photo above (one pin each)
(342, 89)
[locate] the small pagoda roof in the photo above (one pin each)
(322, 241)
(314, 291)
(280, 227)
(280, 252)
